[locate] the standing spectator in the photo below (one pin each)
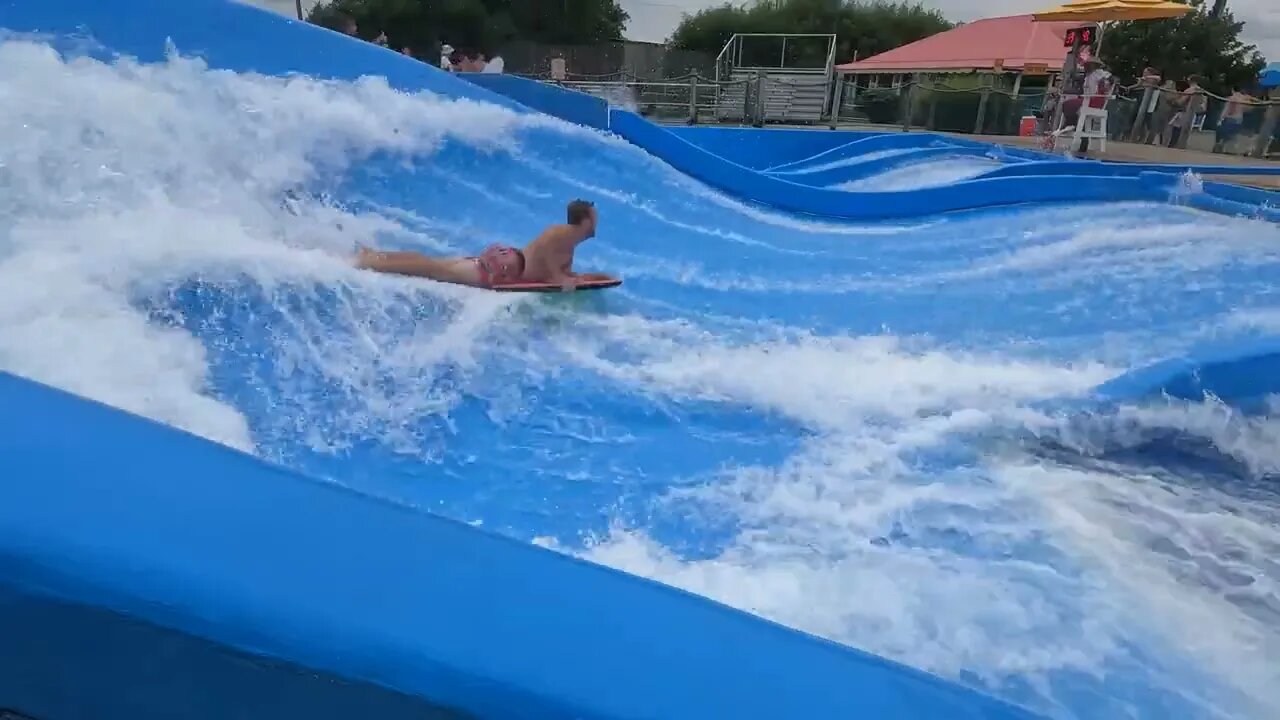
(1191, 102)
(1166, 103)
(446, 57)
(1150, 83)
(1232, 119)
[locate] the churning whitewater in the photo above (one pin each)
(874, 433)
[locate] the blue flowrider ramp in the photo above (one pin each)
(822, 454)
(114, 529)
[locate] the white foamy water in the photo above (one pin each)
(122, 179)
(854, 160)
(913, 176)
(122, 185)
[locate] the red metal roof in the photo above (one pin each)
(1016, 40)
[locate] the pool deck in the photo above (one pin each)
(1134, 152)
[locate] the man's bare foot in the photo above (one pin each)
(364, 256)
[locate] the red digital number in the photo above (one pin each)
(1085, 34)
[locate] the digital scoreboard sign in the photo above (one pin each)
(1085, 35)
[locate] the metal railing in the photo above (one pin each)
(1136, 114)
(931, 104)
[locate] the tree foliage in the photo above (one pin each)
(865, 28)
(1194, 44)
(477, 24)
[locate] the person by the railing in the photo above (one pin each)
(494, 65)
(446, 57)
(1149, 100)
(1191, 102)
(1166, 105)
(1232, 119)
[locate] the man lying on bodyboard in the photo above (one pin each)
(545, 264)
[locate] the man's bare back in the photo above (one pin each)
(547, 259)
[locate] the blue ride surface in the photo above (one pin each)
(147, 525)
(408, 499)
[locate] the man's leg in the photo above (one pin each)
(462, 271)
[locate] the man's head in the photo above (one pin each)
(582, 215)
(1193, 80)
(346, 24)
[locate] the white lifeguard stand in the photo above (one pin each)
(1091, 124)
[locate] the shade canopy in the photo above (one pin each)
(1012, 43)
(1086, 11)
(1270, 77)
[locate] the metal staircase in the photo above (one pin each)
(758, 93)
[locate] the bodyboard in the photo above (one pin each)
(553, 288)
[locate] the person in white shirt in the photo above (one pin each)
(495, 65)
(446, 57)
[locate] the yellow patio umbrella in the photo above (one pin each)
(1112, 10)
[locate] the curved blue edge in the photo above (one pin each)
(1106, 168)
(1240, 373)
(862, 146)
(761, 149)
(774, 191)
(780, 191)
(149, 527)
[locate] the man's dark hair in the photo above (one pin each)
(578, 211)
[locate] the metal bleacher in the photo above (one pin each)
(756, 91)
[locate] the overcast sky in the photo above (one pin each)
(653, 20)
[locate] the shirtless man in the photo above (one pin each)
(548, 259)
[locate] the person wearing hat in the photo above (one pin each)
(1094, 92)
(1097, 83)
(446, 57)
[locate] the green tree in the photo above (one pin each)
(865, 28)
(1194, 44)
(479, 24)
